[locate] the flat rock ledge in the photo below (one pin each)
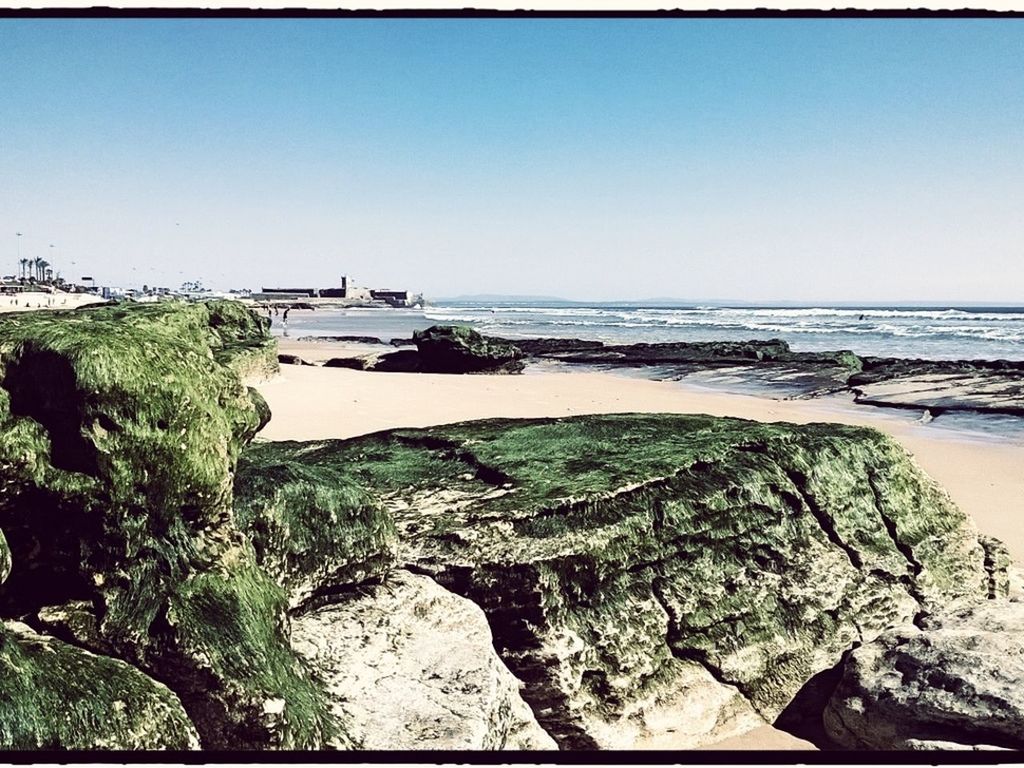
(409, 665)
(955, 684)
(662, 581)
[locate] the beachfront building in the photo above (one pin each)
(346, 291)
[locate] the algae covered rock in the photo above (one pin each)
(5, 558)
(313, 527)
(56, 696)
(409, 665)
(460, 349)
(607, 551)
(120, 428)
(954, 683)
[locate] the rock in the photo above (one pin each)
(460, 349)
(358, 363)
(313, 528)
(242, 340)
(263, 414)
(56, 696)
(938, 392)
(402, 361)
(935, 386)
(409, 665)
(292, 360)
(350, 339)
(74, 622)
(762, 738)
(677, 352)
(956, 683)
(546, 346)
(5, 558)
(614, 554)
(120, 428)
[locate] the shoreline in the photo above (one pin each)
(982, 475)
(31, 301)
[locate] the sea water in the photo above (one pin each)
(936, 333)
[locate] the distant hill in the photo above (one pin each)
(498, 298)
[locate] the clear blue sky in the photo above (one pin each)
(598, 159)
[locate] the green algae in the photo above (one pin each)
(56, 696)
(235, 622)
(762, 551)
(120, 429)
(313, 527)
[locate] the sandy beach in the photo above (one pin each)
(32, 300)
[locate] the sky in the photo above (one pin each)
(755, 160)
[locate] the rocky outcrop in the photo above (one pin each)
(356, 363)
(940, 391)
(935, 386)
(652, 580)
(617, 557)
(401, 361)
(56, 696)
(292, 360)
(409, 665)
(313, 528)
(440, 349)
(683, 353)
(120, 428)
(460, 349)
(953, 684)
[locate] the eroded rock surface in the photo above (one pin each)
(56, 696)
(409, 665)
(609, 551)
(956, 683)
(314, 529)
(120, 428)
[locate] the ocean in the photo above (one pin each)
(937, 333)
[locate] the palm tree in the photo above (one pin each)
(23, 264)
(37, 264)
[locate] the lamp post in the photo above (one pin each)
(51, 251)
(20, 265)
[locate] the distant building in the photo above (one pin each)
(347, 290)
(393, 298)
